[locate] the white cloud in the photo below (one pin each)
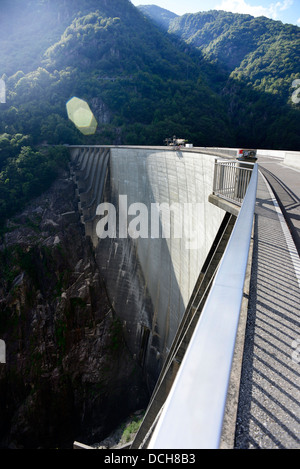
(298, 21)
(241, 6)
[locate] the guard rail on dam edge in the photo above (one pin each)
(204, 375)
(192, 349)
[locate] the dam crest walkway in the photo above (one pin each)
(268, 411)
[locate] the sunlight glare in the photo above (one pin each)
(81, 115)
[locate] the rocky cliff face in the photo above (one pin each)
(69, 375)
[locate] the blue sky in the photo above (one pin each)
(287, 11)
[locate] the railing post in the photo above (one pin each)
(215, 175)
(243, 177)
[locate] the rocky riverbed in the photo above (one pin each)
(68, 374)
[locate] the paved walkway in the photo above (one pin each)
(269, 410)
(285, 183)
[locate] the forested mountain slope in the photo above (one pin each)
(216, 79)
(252, 63)
(160, 16)
(260, 51)
(141, 86)
(144, 86)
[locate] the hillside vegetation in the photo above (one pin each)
(215, 79)
(260, 51)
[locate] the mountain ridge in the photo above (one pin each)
(145, 85)
(161, 16)
(258, 50)
(125, 66)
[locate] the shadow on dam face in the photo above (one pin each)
(150, 274)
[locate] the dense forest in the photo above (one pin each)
(259, 51)
(215, 79)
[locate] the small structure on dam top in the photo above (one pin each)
(175, 142)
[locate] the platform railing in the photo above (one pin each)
(193, 414)
(231, 179)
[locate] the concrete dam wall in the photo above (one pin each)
(152, 226)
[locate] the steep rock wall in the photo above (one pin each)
(68, 373)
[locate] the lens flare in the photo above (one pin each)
(81, 115)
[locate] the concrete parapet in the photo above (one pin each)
(222, 152)
(292, 159)
(272, 153)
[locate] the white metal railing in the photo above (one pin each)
(231, 179)
(193, 414)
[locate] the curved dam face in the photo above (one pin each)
(152, 226)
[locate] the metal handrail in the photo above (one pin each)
(193, 413)
(231, 179)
